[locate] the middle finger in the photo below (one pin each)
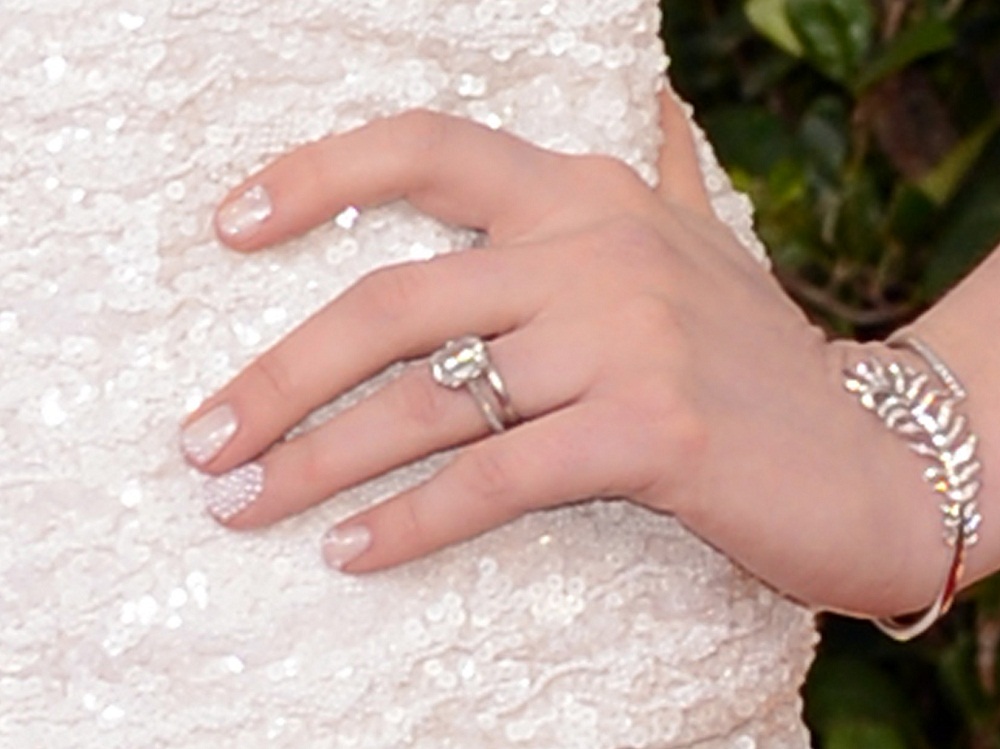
(395, 313)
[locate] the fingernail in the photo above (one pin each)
(202, 439)
(244, 214)
(228, 495)
(341, 546)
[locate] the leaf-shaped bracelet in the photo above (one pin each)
(909, 404)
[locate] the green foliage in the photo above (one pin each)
(835, 35)
(867, 132)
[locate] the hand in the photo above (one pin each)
(648, 354)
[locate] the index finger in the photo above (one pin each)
(454, 169)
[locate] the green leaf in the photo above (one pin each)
(770, 19)
(986, 595)
(924, 38)
(971, 227)
(858, 230)
(823, 135)
(863, 734)
(835, 34)
(768, 75)
(792, 251)
(786, 185)
(958, 666)
(847, 696)
(748, 138)
(913, 216)
(941, 183)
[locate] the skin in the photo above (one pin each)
(668, 367)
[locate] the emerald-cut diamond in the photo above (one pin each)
(459, 362)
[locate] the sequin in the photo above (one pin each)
(55, 67)
(130, 21)
(131, 496)
(175, 191)
(347, 217)
(131, 619)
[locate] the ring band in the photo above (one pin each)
(465, 362)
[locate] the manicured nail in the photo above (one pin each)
(341, 546)
(228, 495)
(244, 214)
(202, 439)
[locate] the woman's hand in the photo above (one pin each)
(647, 353)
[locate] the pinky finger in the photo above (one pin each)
(538, 464)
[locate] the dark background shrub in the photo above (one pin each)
(867, 133)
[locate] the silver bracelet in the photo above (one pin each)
(906, 401)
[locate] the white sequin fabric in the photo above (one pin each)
(128, 618)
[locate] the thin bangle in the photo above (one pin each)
(927, 418)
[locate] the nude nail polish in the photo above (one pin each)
(204, 438)
(342, 546)
(228, 495)
(246, 213)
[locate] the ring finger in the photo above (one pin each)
(545, 367)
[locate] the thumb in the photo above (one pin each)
(681, 179)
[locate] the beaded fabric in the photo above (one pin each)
(127, 617)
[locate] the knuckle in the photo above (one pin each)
(277, 375)
(671, 437)
(688, 434)
(609, 186)
(410, 522)
(625, 244)
(607, 173)
(419, 401)
(312, 164)
(648, 320)
(490, 476)
(389, 294)
(420, 134)
(681, 426)
(643, 467)
(313, 465)
(634, 241)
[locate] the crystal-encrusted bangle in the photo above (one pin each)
(926, 414)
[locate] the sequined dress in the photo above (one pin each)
(127, 617)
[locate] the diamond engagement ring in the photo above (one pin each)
(465, 362)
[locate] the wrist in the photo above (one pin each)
(913, 397)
